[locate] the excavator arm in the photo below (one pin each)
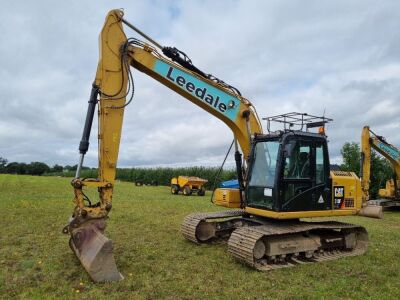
(370, 140)
(112, 86)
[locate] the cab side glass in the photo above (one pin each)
(297, 164)
(320, 165)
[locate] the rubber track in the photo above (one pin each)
(190, 223)
(242, 242)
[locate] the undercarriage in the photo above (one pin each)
(266, 244)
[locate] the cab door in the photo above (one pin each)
(305, 176)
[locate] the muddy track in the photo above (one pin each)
(243, 242)
(191, 223)
(250, 240)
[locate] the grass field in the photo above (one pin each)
(36, 262)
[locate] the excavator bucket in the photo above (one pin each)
(95, 251)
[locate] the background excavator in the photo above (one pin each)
(390, 195)
(283, 175)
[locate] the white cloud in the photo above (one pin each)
(285, 56)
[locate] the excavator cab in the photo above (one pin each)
(289, 171)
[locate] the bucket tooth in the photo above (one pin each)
(95, 251)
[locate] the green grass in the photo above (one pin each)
(36, 262)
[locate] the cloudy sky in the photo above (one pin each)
(309, 56)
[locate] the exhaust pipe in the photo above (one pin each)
(371, 211)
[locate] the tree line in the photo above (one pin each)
(144, 175)
(161, 176)
(34, 168)
(381, 170)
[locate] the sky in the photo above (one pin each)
(337, 57)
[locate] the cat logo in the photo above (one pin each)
(339, 192)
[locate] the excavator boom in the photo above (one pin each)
(369, 141)
(110, 91)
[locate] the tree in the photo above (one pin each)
(57, 168)
(16, 168)
(3, 163)
(351, 157)
(381, 169)
(38, 168)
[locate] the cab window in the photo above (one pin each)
(298, 162)
(320, 165)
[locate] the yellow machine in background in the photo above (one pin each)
(391, 193)
(282, 174)
(187, 185)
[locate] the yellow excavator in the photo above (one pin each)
(283, 175)
(390, 195)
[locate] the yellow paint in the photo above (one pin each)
(299, 214)
(95, 184)
(369, 142)
(227, 198)
(190, 181)
(352, 187)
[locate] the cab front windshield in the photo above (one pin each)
(264, 164)
(261, 184)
